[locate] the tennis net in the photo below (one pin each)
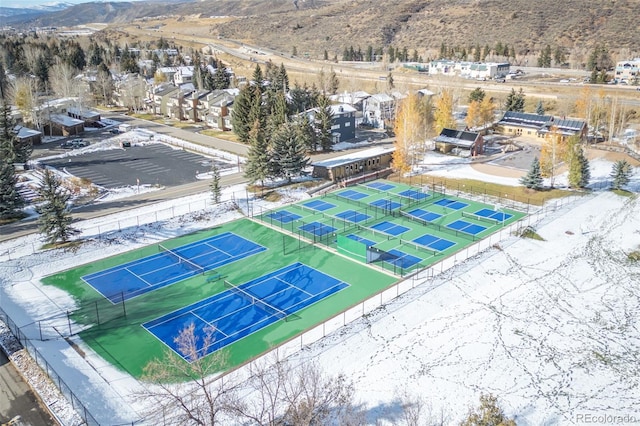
(255, 301)
(481, 218)
(181, 259)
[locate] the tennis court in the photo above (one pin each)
(242, 310)
(319, 205)
(318, 229)
(380, 186)
(353, 216)
(466, 227)
(425, 215)
(387, 205)
(390, 228)
(433, 242)
(284, 216)
(493, 215)
(451, 204)
(414, 194)
(170, 266)
(352, 195)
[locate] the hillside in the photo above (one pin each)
(314, 26)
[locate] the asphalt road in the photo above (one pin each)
(17, 400)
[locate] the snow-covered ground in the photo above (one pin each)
(550, 327)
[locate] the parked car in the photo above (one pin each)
(74, 143)
(114, 131)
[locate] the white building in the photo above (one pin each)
(628, 71)
(475, 70)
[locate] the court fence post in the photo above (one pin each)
(124, 309)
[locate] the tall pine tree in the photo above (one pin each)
(258, 167)
(289, 154)
(10, 200)
(324, 119)
(55, 217)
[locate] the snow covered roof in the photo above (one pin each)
(65, 120)
(25, 132)
(353, 157)
(342, 109)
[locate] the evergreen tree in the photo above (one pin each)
(579, 171)
(586, 170)
(258, 167)
(278, 114)
(216, 191)
(306, 133)
(242, 107)
(476, 95)
(257, 77)
(515, 101)
(220, 79)
(10, 199)
(324, 119)
(289, 157)
(544, 60)
(540, 108)
(325, 56)
(621, 174)
(55, 218)
(533, 178)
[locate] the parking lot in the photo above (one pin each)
(151, 164)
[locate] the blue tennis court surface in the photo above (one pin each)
(451, 204)
(284, 216)
(316, 228)
(399, 259)
(466, 227)
(359, 239)
(319, 205)
(425, 215)
(353, 216)
(380, 186)
(352, 195)
(492, 214)
(413, 194)
(390, 228)
(433, 242)
(238, 312)
(132, 279)
(385, 204)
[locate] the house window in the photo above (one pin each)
(347, 124)
(335, 127)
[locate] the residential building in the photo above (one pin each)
(218, 105)
(160, 96)
(343, 123)
(628, 71)
(379, 110)
(460, 142)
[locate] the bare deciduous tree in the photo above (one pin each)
(281, 393)
(185, 389)
(62, 80)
